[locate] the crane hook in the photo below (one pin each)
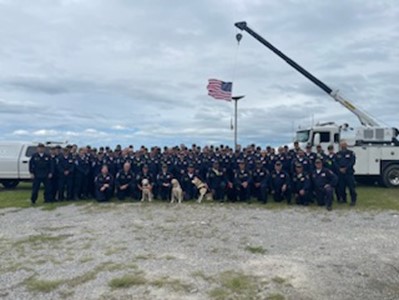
(238, 37)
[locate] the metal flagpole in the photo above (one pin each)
(235, 99)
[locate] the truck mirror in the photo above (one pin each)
(316, 139)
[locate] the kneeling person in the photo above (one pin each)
(301, 185)
(324, 181)
(124, 182)
(104, 185)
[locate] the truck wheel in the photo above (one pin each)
(10, 184)
(391, 176)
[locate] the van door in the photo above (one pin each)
(26, 154)
(9, 161)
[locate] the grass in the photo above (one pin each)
(40, 239)
(275, 296)
(369, 198)
(256, 249)
(127, 281)
(233, 284)
(279, 280)
(173, 284)
(43, 286)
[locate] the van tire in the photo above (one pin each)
(10, 183)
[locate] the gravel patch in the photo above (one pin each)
(187, 251)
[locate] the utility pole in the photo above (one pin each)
(235, 99)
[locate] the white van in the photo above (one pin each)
(14, 161)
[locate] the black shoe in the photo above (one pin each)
(353, 203)
(329, 208)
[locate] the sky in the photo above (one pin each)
(103, 72)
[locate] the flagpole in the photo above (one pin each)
(235, 99)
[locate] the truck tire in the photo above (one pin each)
(390, 177)
(10, 183)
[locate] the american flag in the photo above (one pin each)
(220, 90)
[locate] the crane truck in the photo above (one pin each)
(376, 147)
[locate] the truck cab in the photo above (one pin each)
(323, 134)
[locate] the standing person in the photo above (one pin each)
(82, 172)
(53, 181)
(324, 182)
(125, 182)
(40, 168)
(280, 184)
(66, 167)
(103, 185)
(345, 162)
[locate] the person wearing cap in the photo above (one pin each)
(82, 170)
(164, 182)
(301, 185)
(216, 180)
(125, 182)
(189, 189)
(302, 159)
(144, 174)
(40, 168)
(53, 181)
(103, 185)
(260, 182)
(310, 154)
(280, 184)
(324, 181)
(242, 182)
(345, 161)
(66, 168)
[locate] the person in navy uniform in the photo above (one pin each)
(260, 182)
(216, 180)
(53, 181)
(310, 154)
(66, 167)
(345, 161)
(324, 182)
(242, 182)
(302, 159)
(164, 180)
(125, 182)
(189, 189)
(82, 170)
(103, 185)
(280, 184)
(301, 186)
(40, 168)
(144, 174)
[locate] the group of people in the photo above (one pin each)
(295, 175)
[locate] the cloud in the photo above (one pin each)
(108, 72)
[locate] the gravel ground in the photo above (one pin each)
(192, 251)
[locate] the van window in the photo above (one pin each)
(324, 137)
(336, 138)
(32, 150)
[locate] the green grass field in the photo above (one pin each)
(369, 198)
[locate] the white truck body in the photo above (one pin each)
(378, 161)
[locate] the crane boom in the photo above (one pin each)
(364, 118)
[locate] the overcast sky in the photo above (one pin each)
(135, 72)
